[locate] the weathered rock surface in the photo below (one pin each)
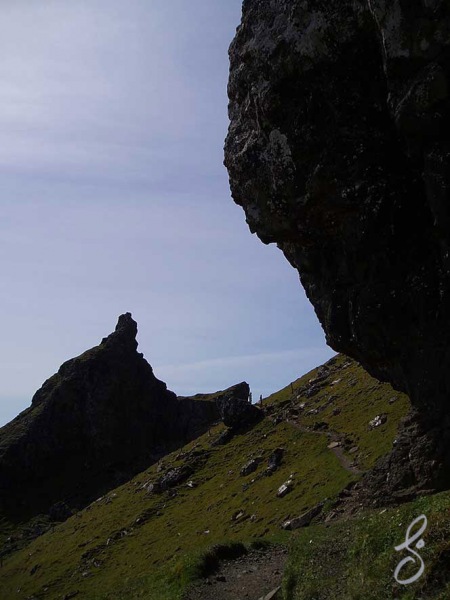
(275, 460)
(235, 410)
(251, 466)
(305, 519)
(102, 418)
(339, 151)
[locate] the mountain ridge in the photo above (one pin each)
(100, 419)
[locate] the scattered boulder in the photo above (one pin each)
(251, 466)
(240, 515)
(312, 391)
(304, 519)
(332, 445)
(275, 460)
(153, 487)
(175, 476)
(286, 488)
(377, 421)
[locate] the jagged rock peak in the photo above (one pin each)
(125, 332)
(127, 324)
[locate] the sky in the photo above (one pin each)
(114, 199)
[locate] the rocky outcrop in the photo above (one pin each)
(339, 151)
(235, 409)
(102, 418)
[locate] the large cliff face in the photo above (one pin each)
(339, 151)
(102, 418)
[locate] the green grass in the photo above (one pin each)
(360, 398)
(131, 544)
(361, 559)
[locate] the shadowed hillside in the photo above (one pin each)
(150, 537)
(100, 419)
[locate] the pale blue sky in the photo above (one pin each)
(114, 198)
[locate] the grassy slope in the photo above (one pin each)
(361, 559)
(104, 552)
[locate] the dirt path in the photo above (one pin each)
(251, 577)
(332, 436)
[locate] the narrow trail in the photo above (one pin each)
(251, 577)
(332, 436)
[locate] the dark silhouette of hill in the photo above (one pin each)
(100, 419)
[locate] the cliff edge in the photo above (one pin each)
(339, 152)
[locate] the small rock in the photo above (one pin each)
(377, 421)
(353, 450)
(174, 477)
(284, 489)
(304, 519)
(153, 488)
(273, 595)
(330, 516)
(333, 445)
(312, 391)
(251, 466)
(275, 460)
(238, 516)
